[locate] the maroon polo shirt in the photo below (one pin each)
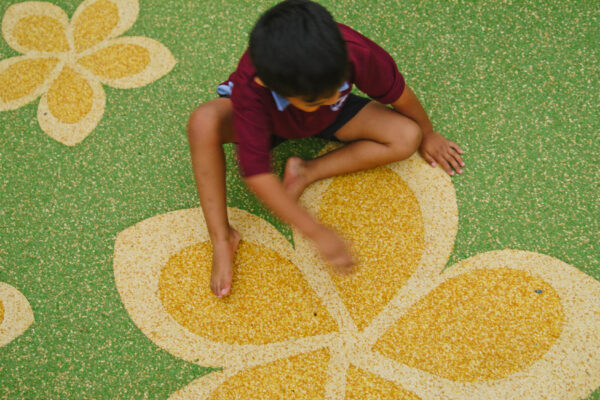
(257, 116)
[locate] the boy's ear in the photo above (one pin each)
(259, 81)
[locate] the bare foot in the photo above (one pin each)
(222, 266)
(294, 177)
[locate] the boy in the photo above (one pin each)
(294, 81)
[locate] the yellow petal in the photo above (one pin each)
(269, 301)
(117, 60)
(503, 324)
(72, 107)
(23, 79)
(362, 385)
(299, 377)
(98, 20)
(15, 314)
(129, 62)
(402, 219)
(379, 213)
(70, 97)
(482, 325)
(37, 26)
(162, 269)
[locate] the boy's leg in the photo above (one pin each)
(377, 135)
(210, 126)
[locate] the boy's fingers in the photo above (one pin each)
(456, 152)
(345, 267)
(456, 147)
(446, 167)
(429, 159)
(455, 164)
(459, 159)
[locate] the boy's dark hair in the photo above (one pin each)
(298, 50)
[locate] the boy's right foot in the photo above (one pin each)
(294, 177)
(222, 265)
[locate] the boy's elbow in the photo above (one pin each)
(264, 185)
(256, 182)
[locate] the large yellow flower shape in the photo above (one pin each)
(15, 314)
(65, 62)
(503, 324)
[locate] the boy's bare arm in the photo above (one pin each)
(434, 148)
(408, 104)
(269, 189)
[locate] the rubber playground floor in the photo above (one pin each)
(485, 285)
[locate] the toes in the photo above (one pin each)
(224, 292)
(221, 290)
(292, 168)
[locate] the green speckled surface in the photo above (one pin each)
(515, 83)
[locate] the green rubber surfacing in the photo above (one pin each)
(516, 84)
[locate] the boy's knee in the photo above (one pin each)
(409, 140)
(415, 136)
(204, 123)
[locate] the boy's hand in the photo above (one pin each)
(271, 191)
(437, 149)
(334, 250)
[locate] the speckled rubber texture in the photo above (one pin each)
(516, 84)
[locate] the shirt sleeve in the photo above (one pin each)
(375, 71)
(253, 137)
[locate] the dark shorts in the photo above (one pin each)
(351, 107)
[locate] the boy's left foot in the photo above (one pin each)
(294, 177)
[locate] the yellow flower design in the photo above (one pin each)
(502, 324)
(15, 314)
(66, 61)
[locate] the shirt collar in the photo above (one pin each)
(282, 102)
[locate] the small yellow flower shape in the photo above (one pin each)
(503, 324)
(15, 314)
(65, 62)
